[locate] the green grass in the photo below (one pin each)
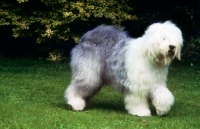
(31, 97)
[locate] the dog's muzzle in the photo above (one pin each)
(171, 47)
(171, 50)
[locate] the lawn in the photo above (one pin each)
(31, 97)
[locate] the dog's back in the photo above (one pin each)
(104, 35)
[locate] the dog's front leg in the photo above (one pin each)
(162, 99)
(137, 104)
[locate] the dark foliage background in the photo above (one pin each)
(37, 28)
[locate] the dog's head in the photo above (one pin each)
(164, 41)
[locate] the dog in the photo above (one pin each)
(136, 67)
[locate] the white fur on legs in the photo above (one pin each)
(162, 99)
(137, 105)
(74, 100)
(77, 103)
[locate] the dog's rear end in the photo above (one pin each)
(89, 63)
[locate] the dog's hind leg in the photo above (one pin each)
(78, 93)
(74, 99)
(86, 81)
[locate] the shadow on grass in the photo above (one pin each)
(95, 105)
(117, 106)
(100, 105)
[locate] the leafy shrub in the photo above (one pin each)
(55, 18)
(191, 52)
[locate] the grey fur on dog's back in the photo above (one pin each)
(99, 59)
(104, 35)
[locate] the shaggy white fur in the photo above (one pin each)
(136, 67)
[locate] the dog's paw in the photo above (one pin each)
(77, 104)
(140, 111)
(143, 113)
(161, 112)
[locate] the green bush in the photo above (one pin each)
(55, 19)
(192, 51)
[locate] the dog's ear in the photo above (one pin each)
(178, 54)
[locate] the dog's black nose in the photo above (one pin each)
(171, 47)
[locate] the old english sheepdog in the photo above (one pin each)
(137, 68)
